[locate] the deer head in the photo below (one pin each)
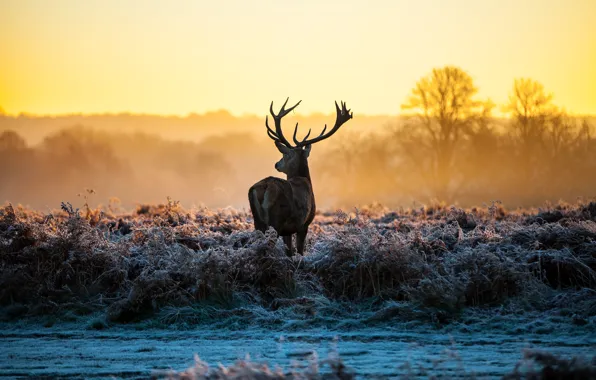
(294, 160)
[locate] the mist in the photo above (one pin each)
(391, 164)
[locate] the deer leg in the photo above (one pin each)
(300, 240)
(288, 241)
(259, 226)
(255, 208)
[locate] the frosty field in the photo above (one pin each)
(392, 350)
(387, 293)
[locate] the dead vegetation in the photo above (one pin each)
(537, 365)
(164, 258)
(314, 368)
(534, 365)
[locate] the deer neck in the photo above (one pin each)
(302, 171)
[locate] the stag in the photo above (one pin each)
(289, 205)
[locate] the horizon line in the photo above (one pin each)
(222, 111)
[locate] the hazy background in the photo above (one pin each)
(447, 148)
(142, 100)
(209, 159)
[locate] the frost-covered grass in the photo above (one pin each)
(314, 368)
(535, 365)
(374, 264)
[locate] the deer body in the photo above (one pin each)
(289, 205)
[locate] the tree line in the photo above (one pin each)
(448, 147)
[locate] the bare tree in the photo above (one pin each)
(14, 158)
(11, 141)
(531, 110)
(445, 113)
(551, 145)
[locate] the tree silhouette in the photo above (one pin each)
(541, 131)
(551, 147)
(446, 113)
(11, 141)
(15, 160)
(531, 110)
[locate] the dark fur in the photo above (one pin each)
(289, 205)
(286, 205)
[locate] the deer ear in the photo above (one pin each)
(307, 150)
(282, 148)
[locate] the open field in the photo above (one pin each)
(484, 274)
(393, 350)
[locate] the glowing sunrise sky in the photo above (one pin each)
(176, 57)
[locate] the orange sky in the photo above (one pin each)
(178, 57)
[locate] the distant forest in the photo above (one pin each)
(448, 146)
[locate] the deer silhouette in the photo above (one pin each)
(289, 205)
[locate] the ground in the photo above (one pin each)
(385, 292)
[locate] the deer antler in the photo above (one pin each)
(278, 135)
(342, 116)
